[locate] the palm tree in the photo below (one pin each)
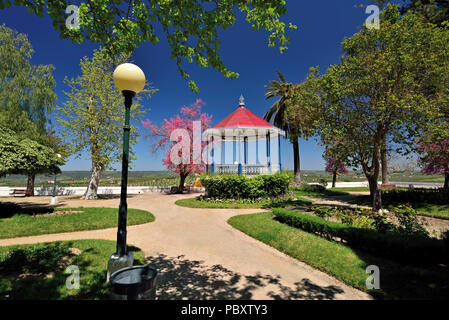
(276, 115)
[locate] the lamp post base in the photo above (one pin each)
(54, 200)
(117, 262)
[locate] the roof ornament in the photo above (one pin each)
(241, 101)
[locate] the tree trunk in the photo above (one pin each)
(372, 174)
(92, 189)
(383, 158)
(334, 178)
(296, 162)
(30, 185)
(181, 182)
(375, 192)
(446, 182)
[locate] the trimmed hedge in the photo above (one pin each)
(405, 248)
(241, 187)
(431, 196)
(312, 188)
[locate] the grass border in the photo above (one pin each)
(92, 262)
(398, 281)
(92, 218)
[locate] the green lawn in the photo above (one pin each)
(349, 189)
(195, 203)
(357, 189)
(304, 191)
(432, 210)
(46, 280)
(21, 225)
(397, 281)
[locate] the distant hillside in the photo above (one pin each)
(17, 179)
(167, 178)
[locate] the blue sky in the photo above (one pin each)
(322, 25)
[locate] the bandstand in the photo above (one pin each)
(239, 128)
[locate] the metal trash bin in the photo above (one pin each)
(133, 283)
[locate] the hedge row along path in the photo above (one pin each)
(200, 256)
(429, 223)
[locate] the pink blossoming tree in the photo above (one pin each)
(334, 167)
(436, 158)
(171, 136)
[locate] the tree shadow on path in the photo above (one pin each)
(181, 278)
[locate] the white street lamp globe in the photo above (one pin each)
(236, 163)
(59, 156)
(130, 77)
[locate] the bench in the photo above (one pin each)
(176, 189)
(19, 191)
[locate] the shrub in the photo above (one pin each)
(9, 209)
(241, 187)
(408, 221)
(323, 182)
(380, 221)
(266, 202)
(33, 259)
(397, 246)
(312, 188)
(431, 196)
(322, 211)
(358, 217)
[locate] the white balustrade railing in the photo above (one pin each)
(226, 169)
(247, 170)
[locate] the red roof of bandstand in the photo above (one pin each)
(242, 118)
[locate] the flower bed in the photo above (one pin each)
(407, 247)
(290, 196)
(400, 219)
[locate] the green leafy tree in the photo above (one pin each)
(435, 11)
(386, 87)
(26, 91)
(49, 140)
(26, 156)
(190, 26)
(93, 116)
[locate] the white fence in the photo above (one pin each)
(67, 191)
(247, 170)
(48, 191)
(398, 184)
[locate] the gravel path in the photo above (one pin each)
(200, 256)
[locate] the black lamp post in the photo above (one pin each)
(130, 80)
(123, 207)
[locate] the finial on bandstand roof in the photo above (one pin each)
(242, 101)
